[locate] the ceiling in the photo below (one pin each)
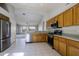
(32, 13)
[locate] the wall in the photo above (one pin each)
(12, 20)
(42, 27)
(3, 5)
(71, 30)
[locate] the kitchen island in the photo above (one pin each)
(39, 36)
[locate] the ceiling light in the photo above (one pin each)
(23, 13)
(67, 4)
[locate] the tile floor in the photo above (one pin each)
(20, 48)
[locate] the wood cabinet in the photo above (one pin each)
(60, 20)
(56, 43)
(68, 17)
(72, 48)
(62, 46)
(65, 46)
(39, 37)
(55, 19)
(76, 14)
(49, 22)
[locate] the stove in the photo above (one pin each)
(51, 36)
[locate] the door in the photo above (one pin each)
(60, 20)
(5, 29)
(62, 46)
(76, 15)
(72, 51)
(0, 35)
(68, 17)
(56, 43)
(5, 43)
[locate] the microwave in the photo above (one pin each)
(55, 25)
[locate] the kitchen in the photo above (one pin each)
(59, 31)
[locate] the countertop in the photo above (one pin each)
(74, 37)
(70, 36)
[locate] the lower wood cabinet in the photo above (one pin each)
(72, 48)
(72, 51)
(62, 46)
(39, 37)
(56, 43)
(66, 47)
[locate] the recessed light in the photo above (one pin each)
(23, 13)
(67, 4)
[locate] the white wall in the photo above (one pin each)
(12, 20)
(71, 30)
(42, 27)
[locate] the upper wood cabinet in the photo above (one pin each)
(55, 19)
(76, 14)
(60, 20)
(68, 17)
(3, 17)
(48, 24)
(51, 21)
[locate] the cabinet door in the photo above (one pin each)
(60, 20)
(68, 17)
(34, 38)
(62, 46)
(56, 43)
(48, 23)
(55, 19)
(72, 51)
(72, 48)
(76, 15)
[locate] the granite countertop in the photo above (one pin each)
(70, 36)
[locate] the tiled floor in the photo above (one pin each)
(20, 48)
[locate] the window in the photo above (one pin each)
(32, 28)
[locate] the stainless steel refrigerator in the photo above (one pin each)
(5, 33)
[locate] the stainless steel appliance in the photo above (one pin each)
(5, 33)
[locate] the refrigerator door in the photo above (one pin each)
(0, 35)
(5, 35)
(5, 43)
(5, 29)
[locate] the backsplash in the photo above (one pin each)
(71, 30)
